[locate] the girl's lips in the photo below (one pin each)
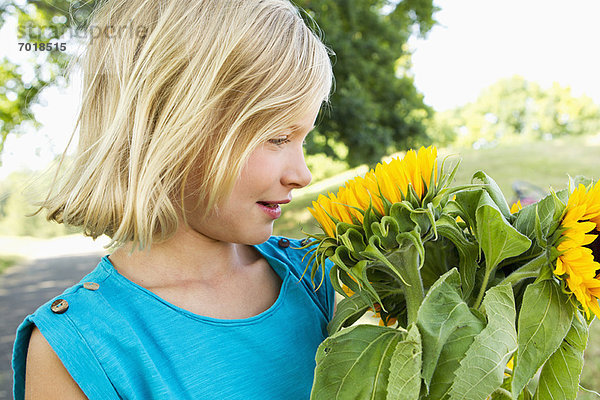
(275, 202)
(273, 210)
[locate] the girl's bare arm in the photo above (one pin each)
(45, 376)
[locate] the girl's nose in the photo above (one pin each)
(297, 174)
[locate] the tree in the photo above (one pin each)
(375, 109)
(514, 108)
(38, 22)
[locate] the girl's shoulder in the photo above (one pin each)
(295, 253)
(60, 322)
(284, 248)
(78, 297)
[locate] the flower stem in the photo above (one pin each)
(530, 270)
(406, 261)
(486, 278)
(516, 277)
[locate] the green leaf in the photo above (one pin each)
(406, 261)
(422, 220)
(530, 269)
(442, 312)
(467, 250)
(401, 213)
(453, 351)
(580, 180)
(544, 320)
(343, 227)
(387, 230)
(504, 395)
(559, 378)
(494, 192)
(497, 238)
(369, 218)
(353, 240)
(549, 210)
(354, 363)
(405, 368)
(467, 202)
(361, 269)
(335, 281)
(373, 253)
(348, 311)
(525, 394)
(440, 257)
(540, 237)
(342, 258)
(481, 371)
(346, 279)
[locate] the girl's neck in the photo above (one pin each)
(185, 258)
(204, 276)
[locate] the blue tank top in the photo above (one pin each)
(119, 340)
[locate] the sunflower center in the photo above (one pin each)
(595, 246)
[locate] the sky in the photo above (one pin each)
(476, 43)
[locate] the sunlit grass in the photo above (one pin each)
(546, 164)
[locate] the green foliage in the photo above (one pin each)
(355, 363)
(515, 109)
(497, 238)
(16, 98)
(545, 163)
(442, 314)
(38, 22)
(448, 363)
(405, 367)
(375, 109)
(460, 342)
(468, 252)
(591, 367)
(559, 378)
(348, 311)
(544, 320)
(482, 368)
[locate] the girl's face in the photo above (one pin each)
(266, 182)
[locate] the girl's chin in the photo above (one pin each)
(263, 236)
(258, 235)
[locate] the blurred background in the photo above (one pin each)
(511, 87)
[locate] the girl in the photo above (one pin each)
(190, 139)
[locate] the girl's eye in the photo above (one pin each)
(280, 141)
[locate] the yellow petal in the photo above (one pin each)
(516, 207)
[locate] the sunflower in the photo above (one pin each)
(578, 263)
(383, 321)
(516, 207)
(391, 181)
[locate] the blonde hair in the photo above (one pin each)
(190, 99)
